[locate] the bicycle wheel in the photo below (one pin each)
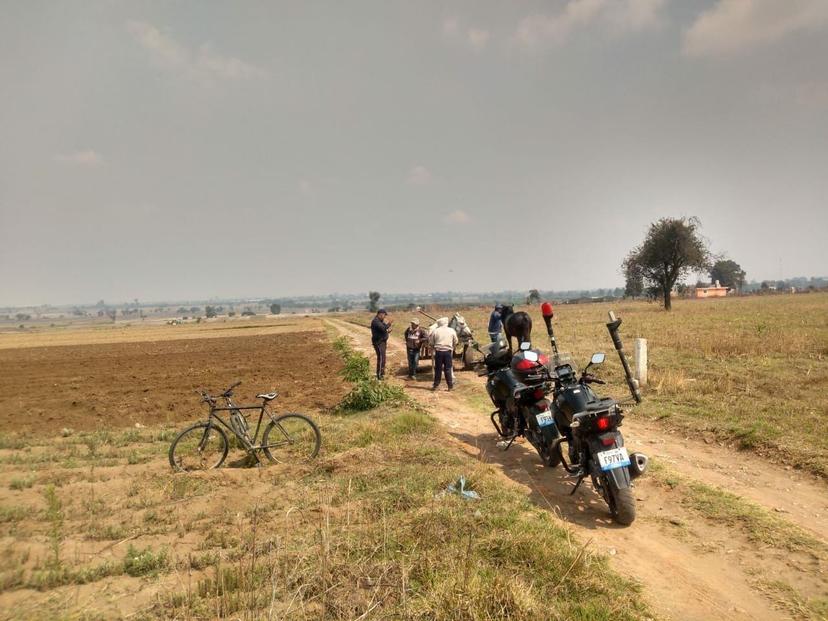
(200, 447)
(291, 438)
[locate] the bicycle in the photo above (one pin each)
(204, 445)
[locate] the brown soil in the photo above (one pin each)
(81, 387)
(691, 568)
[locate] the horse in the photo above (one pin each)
(516, 324)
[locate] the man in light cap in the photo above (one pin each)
(379, 339)
(443, 340)
(415, 336)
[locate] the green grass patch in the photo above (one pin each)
(144, 562)
(367, 392)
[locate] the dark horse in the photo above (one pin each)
(516, 324)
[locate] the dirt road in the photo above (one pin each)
(690, 567)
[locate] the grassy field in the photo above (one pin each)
(752, 371)
(95, 525)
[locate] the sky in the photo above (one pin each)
(169, 150)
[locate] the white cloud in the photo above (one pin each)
(201, 64)
(86, 157)
(478, 38)
(733, 26)
(475, 38)
(457, 217)
(450, 26)
(636, 15)
(542, 30)
(419, 175)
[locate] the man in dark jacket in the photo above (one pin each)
(379, 339)
(496, 323)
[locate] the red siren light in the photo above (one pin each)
(546, 309)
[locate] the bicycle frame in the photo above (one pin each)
(230, 407)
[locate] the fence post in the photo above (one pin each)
(641, 361)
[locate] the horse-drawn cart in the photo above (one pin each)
(465, 338)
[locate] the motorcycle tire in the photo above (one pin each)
(551, 460)
(621, 503)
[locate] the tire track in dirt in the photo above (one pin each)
(691, 569)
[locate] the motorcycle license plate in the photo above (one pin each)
(614, 458)
(544, 420)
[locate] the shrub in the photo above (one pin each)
(371, 393)
(144, 562)
(357, 369)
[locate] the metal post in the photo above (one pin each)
(612, 326)
(641, 361)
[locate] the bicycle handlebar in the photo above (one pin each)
(206, 396)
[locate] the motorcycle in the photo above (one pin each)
(589, 425)
(518, 387)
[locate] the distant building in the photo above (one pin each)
(714, 291)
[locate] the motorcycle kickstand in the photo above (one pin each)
(578, 484)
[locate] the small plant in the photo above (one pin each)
(54, 515)
(21, 484)
(144, 562)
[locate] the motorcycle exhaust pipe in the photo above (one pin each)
(638, 464)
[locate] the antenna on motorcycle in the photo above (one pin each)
(548, 312)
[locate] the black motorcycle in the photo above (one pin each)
(518, 387)
(589, 425)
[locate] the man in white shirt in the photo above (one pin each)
(443, 340)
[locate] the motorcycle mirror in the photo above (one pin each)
(525, 346)
(598, 358)
(547, 310)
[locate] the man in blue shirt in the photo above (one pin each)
(379, 339)
(496, 323)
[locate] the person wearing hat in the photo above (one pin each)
(443, 341)
(496, 323)
(379, 339)
(415, 336)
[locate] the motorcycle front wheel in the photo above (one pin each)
(621, 502)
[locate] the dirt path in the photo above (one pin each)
(691, 568)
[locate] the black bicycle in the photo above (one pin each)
(286, 438)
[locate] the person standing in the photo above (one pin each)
(496, 323)
(415, 336)
(443, 340)
(379, 339)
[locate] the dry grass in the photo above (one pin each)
(753, 370)
(366, 530)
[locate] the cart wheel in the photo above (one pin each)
(468, 357)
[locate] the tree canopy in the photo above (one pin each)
(728, 273)
(672, 249)
(373, 301)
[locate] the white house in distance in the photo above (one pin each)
(713, 291)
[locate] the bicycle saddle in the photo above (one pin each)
(269, 396)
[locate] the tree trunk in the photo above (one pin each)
(668, 302)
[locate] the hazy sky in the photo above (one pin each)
(171, 150)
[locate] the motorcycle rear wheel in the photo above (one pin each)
(553, 459)
(621, 503)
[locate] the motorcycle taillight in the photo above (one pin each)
(542, 405)
(603, 423)
(538, 394)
